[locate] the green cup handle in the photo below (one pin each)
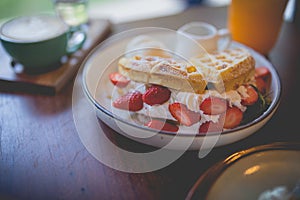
(75, 40)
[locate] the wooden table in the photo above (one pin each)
(42, 157)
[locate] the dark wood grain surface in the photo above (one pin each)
(42, 157)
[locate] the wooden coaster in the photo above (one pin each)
(52, 82)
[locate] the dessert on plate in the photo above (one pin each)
(206, 94)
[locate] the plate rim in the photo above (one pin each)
(209, 177)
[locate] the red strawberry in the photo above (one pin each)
(209, 126)
(162, 125)
(183, 115)
(233, 117)
(252, 96)
(213, 105)
(156, 94)
(119, 80)
(261, 85)
(265, 74)
(131, 101)
(262, 72)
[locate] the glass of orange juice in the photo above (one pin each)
(256, 23)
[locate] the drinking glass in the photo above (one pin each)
(256, 23)
(73, 12)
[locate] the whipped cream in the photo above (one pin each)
(157, 111)
(234, 97)
(191, 100)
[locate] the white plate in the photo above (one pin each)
(252, 173)
(103, 60)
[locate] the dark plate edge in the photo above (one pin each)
(203, 184)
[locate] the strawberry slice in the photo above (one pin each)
(261, 85)
(209, 127)
(131, 101)
(233, 117)
(213, 106)
(162, 125)
(251, 98)
(262, 72)
(118, 79)
(265, 74)
(156, 94)
(183, 115)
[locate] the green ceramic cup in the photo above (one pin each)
(38, 42)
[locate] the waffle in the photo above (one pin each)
(167, 72)
(228, 69)
(225, 70)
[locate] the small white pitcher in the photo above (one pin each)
(198, 37)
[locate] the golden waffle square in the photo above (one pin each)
(228, 69)
(167, 72)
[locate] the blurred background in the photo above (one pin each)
(119, 11)
(116, 10)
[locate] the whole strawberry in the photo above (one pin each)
(131, 101)
(156, 94)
